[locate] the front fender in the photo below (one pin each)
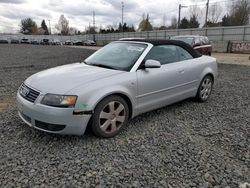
(91, 94)
(96, 98)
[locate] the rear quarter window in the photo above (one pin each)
(184, 54)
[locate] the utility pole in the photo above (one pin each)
(49, 28)
(207, 13)
(94, 20)
(164, 20)
(93, 25)
(179, 18)
(89, 32)
(122, 14)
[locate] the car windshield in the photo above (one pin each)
(188, 40)
(117, 55)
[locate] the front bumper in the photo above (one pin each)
(51, 119)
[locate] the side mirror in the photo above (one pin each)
(150, 64)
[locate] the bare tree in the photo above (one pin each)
(174, 23)
(238, 15)
(73, 31)
(195, 11)
(240, 11)
(164, 18)
(214, 13)
(63, 25)
(195, 14)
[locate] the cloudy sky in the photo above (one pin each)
(79, 12)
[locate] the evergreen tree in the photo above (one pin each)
(28, 26)
(44, 27)
(193, 22)
(184, 23)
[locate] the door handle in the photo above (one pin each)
(181, 71)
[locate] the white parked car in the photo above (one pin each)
(89, 43)
(55, 42)
(118, 82)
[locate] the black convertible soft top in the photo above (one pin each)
(182, 44)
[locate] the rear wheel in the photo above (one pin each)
(110, 116)
(205, 89)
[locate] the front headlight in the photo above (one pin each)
(64, 101)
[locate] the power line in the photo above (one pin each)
(214, 2)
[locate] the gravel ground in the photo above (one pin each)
(238, 59)
(187, 144)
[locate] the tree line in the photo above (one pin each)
(238, 15)
(28, 26)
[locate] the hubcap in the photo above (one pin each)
(112, 117)
(206, 88)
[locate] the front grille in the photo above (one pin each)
(27, 118)
(49, 126)
(28, 93)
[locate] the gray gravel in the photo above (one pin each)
(187, 144)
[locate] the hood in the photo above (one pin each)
(60, 80)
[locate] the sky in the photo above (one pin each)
(108, 12)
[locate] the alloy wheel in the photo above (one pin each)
(206, 88)
(112, 117)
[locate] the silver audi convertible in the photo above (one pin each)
(116, 83)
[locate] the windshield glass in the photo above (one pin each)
(188, 40)
(117, 55)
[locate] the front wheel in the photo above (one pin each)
(205, 89)
(110, 116)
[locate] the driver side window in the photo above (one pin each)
(165, 54)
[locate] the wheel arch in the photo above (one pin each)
(209, 74)
(208, 71)
(120, 94)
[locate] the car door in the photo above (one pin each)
(158, 87)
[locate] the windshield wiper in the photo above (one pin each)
(101, 65)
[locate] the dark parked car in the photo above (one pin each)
(34, 41)
(45, 42)
(78, 42)
(14, 41)
(199, 43)
(90, 43)
(68, 42)
(25, 41)
(3, 41)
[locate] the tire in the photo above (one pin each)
(110, 116)
(205, 89)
